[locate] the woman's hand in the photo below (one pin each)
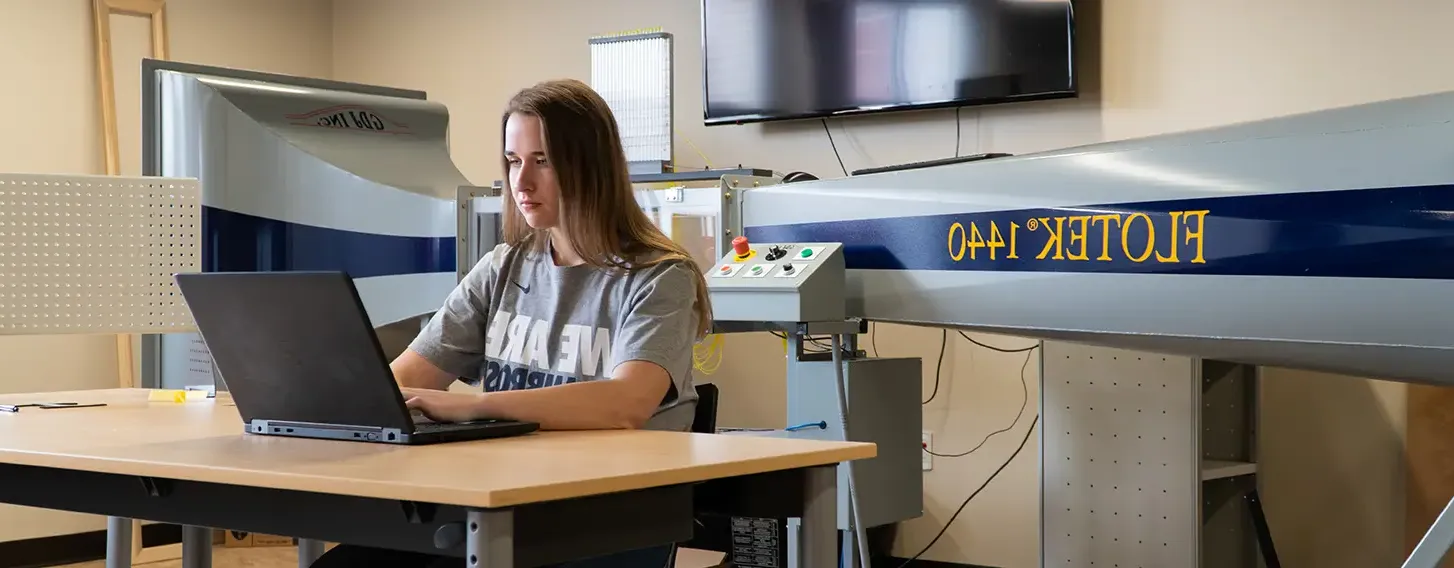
(443, 406)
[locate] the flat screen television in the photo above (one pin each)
(768, 60)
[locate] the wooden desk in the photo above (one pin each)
(540, 498)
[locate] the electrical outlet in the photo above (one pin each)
(928, 440)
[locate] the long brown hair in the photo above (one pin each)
(599, 213)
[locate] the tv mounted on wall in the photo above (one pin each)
(769, 60)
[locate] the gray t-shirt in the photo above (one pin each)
(518, 321)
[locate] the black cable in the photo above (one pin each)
(873, 338)
(1024, 402)
(939, 367)
(993, 348)
(811, 341)
(818, 342)
(976, 492)
(835, 148)
(956, 131)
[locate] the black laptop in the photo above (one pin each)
(300, 358)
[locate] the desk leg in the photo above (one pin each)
(309, 550)
(490, 539)
(1436, 543)
(196, 547)
(818, 545)
(118, 542)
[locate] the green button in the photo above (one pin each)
(757, 270)
(806, 253)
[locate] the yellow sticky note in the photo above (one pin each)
(167, 396)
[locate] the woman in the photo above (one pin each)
(584, 288)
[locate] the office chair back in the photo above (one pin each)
(706, 419)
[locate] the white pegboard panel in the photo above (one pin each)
(1120, 475)
(633, 73)
(96, 254)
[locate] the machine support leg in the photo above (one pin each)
(196, 547)
(1436, 542)
(118, 542)
(848, 549)
(490, 539)
(308, 551)
(1264, 535)
(818, 545)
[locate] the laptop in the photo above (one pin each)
(300, 357)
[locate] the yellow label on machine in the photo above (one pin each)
(1121, 237)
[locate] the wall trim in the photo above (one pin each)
(79, 547)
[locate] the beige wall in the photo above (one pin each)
(1335, 464)
(53, 127)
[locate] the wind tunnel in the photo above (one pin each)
(304, 174)
(1322, 241)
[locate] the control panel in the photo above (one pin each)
(778, 282)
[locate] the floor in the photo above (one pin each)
(222, 557)
(287, 557)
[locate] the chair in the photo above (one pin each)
(706, 423)
(706, 419)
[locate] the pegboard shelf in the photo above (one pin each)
(90, 254)
(1146, 459)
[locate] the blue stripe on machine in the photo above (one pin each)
(1399, 232)
(247, 243)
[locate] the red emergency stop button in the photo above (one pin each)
(740, 246)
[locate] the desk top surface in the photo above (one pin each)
(204, 441)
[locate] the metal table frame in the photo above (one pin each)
(1436, 542)
(523, 535)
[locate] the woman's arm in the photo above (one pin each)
(626, 401)
(414, 371)
(452, 344)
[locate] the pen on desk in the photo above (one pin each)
(53, 405)
(48, 405)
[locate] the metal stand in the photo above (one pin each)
(1436, 542)
(490, 539)
(309, 551)
(118, 542)
(196, 547)
(1264, 534)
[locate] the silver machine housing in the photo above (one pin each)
(1160, 273)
